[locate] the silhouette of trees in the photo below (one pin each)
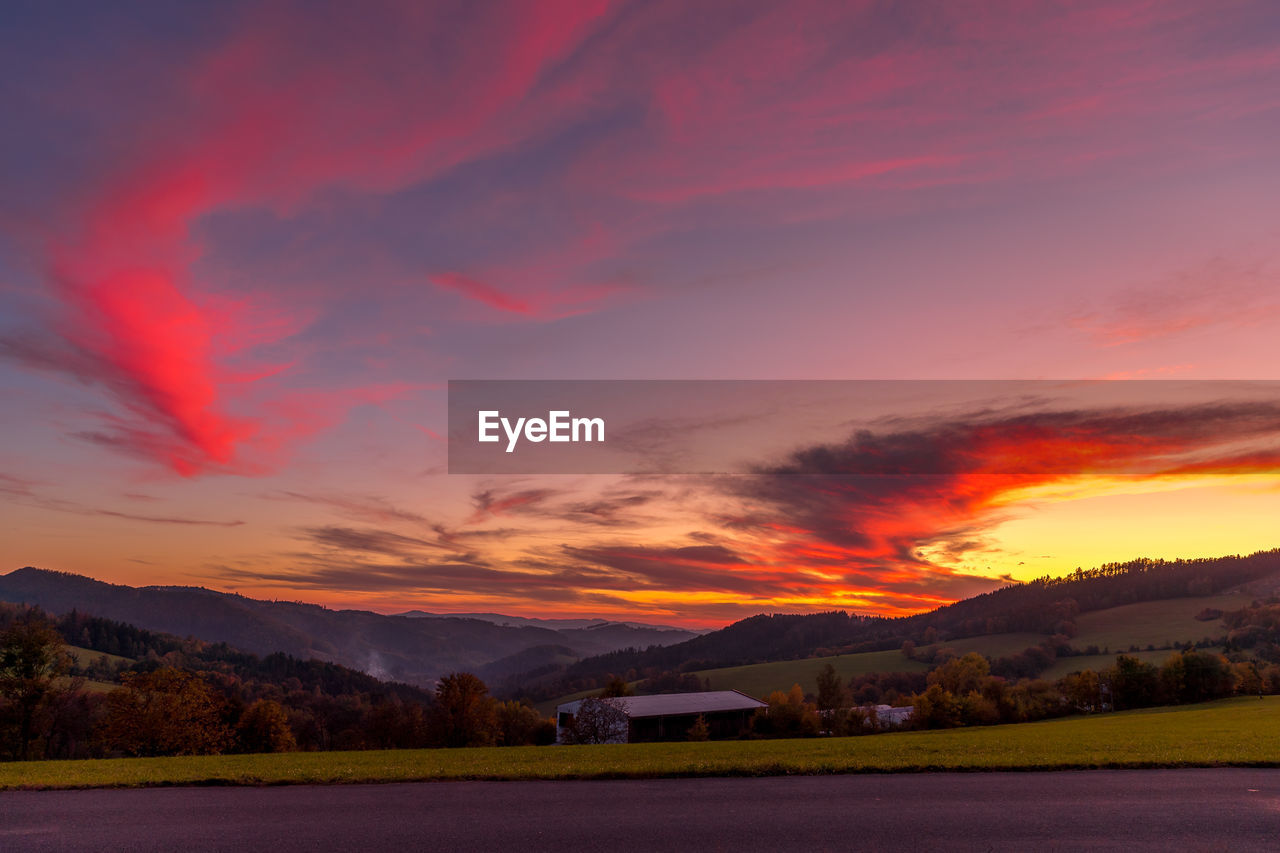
(1134, 683)
(831, 692)
(464, 713)
(31, 662)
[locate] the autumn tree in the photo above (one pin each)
(961, 675)
(788, 715)
(1248, 677)
(699, 731)
(616, 688)
(165, 712)
(464, 713)
(937, 708)
(32, 659)
(264, 727)
(519, 724)
(1193, 676)
(1083, 690)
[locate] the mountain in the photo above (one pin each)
(399, 648)
(553, 624)
(1046, 606)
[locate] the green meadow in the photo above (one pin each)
(1156, 623)
(1232, 732)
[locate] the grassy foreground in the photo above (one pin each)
(1240, 731)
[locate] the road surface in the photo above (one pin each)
(1131, 810)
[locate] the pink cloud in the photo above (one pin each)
(292, 106)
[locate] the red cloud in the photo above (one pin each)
(296, 104)
(481, 292)
(863, 510)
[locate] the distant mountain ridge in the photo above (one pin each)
(1044, 606)
(553, 624)
(399, 648)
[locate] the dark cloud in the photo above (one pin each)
(613, 507)
(426, 578)
(693, 568)
(369, 540)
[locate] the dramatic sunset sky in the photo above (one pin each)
(244, 246)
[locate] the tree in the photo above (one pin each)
(788, 715)
(936, 708)
(961, 675)
(464, 713)
(598, 720)
(1193, 676)
(1134, 683)
(616, 688)
(831, 692)
(32, 659)
(1083, 690)
(165, 712)
(699, 731)
(518, 724)
(1248, 678)
(264, 727)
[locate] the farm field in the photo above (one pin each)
(1097, 663)
(1232, 732)
(84, 657)
(761, 679)
(1155, 623)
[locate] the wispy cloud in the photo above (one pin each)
(27, 492)
(1220, 293)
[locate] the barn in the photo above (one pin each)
(670, 716)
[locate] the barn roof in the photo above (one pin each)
(676, 704)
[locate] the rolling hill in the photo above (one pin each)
(398, 648)
(1142, 604)
(1117, 629)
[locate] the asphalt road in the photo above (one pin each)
(1228, 809)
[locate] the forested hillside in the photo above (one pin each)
(400, 648)
(1047, 606)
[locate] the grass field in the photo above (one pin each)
(1155, 623)
(1239, 732)
(1097, 663)
(1158, 623)
(760, 679)
(84, 657)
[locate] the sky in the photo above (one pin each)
(245, 246)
